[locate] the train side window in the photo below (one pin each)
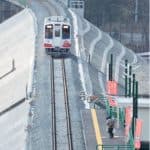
(65, 32)
(49, 31)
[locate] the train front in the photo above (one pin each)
(57, 34)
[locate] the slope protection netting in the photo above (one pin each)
(8, 9)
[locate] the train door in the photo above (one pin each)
(57, 34)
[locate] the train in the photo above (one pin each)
(57, 35)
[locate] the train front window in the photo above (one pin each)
(57, 32)
(65, 32)
(49, 31)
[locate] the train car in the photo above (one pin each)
(57, 35)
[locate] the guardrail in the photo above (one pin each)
(112, 111)
(114, 147)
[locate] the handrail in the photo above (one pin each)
(111, 111)
(115, 147)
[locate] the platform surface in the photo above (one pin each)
(89, 131)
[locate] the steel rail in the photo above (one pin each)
(54, 137)
(53, 106)
(68, 119)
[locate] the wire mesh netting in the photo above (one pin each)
(8, 9)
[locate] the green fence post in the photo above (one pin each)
(133, 105)
(109, 72)
(130, 74)
(133, 86)
(126, 72)
(111, 63)
(136, 98)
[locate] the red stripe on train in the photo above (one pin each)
(66, 44)
(46, 45)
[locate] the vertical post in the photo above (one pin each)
(126, 72)
(109, 71)
(130, 74)
(133, 105)
(133, 86)
(111, 67)
(118, 118)
(89, 58)
(136, 97)
(26, 91)
(13, 65)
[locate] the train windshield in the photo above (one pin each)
(49, 31)
(57, 32)
(65, 31)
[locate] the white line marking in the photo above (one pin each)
(107, 49)
(84, 57)
(136, 67)
(81, 72)
(119, 58)
(144, 54)
(134, 57)
(87, 29)
(93, 43)
(101, 83)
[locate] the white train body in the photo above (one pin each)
(57, 34)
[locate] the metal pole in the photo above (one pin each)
(109, 72)
(136, 97)
(111, 67)
(13, 65)
(89, 59)
(130, 75)
(133, 105)
(133, 86)
(126, 72)
(26, 91)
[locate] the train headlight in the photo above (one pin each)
(65, 27)
(49, 26)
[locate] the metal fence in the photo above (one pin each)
(112, 111)
(114, 147)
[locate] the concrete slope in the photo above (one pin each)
(13, 126)
(17, 42)
(98, 46)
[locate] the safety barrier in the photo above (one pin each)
(108, 109)
(114, 147)
(112, 111)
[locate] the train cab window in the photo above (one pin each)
(49, 31)
(57, 32)
(65, 32)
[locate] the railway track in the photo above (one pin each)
(61, 121)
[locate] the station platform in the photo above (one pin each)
(95, 130)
